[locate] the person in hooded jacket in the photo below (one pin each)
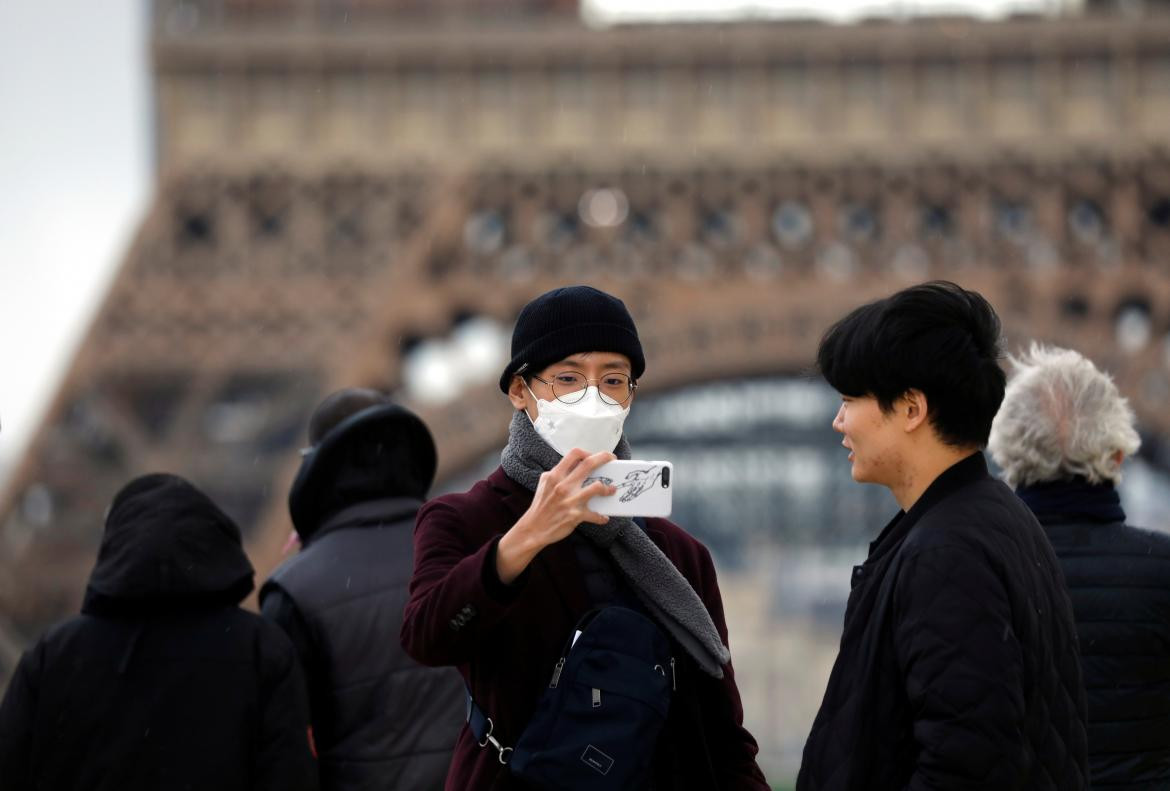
(162, 681)
(381, 720)
(1060, 438)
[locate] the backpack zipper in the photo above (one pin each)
(556, 679)
(673, 678)
(596, 698)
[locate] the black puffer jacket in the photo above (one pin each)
(162, 682)
(382, 721)
(958, 665)
(1119, 580)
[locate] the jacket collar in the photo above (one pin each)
(1073, 500)
(960, 474)
(514, 496)
(370, 513)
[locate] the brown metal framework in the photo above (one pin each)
(323, 191)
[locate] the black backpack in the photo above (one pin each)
(597, 724)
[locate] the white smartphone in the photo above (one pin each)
(643, 488)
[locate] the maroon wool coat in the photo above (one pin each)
(505, 640)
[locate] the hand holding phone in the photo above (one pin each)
(643, 488)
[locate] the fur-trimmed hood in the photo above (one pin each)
(381, 452)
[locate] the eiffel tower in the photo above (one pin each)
(344, 184)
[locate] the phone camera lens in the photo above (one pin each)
(665, 477)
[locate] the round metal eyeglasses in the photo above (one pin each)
(569, 387)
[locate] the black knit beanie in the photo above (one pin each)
(568, 321)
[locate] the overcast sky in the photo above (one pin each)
(74, 181)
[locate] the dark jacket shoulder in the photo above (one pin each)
(971, 514)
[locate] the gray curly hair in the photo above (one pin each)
(1061, 417)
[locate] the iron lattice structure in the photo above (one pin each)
(339, 180)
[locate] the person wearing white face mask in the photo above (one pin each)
(582, 415)
(504, 571)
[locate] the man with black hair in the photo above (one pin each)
(381, 721)
(958, 665)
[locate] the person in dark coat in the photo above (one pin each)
(1060, 439)
(958, 664)
(381, 720)
(504, 571)
(162, 681)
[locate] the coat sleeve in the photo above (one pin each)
(286, 759)
(963, 669)
(279, 608)
(17, 717)
(455, 593)
(733, 748)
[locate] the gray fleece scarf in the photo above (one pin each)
(665, 593)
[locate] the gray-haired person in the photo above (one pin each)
(1060, 437)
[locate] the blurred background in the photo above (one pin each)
(215, 212)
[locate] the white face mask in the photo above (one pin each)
(590, 424)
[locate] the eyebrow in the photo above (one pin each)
(612, 365)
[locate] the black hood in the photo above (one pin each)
(167, 544)
(381, 452)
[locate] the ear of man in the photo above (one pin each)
(518, 392)
(914, 410)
